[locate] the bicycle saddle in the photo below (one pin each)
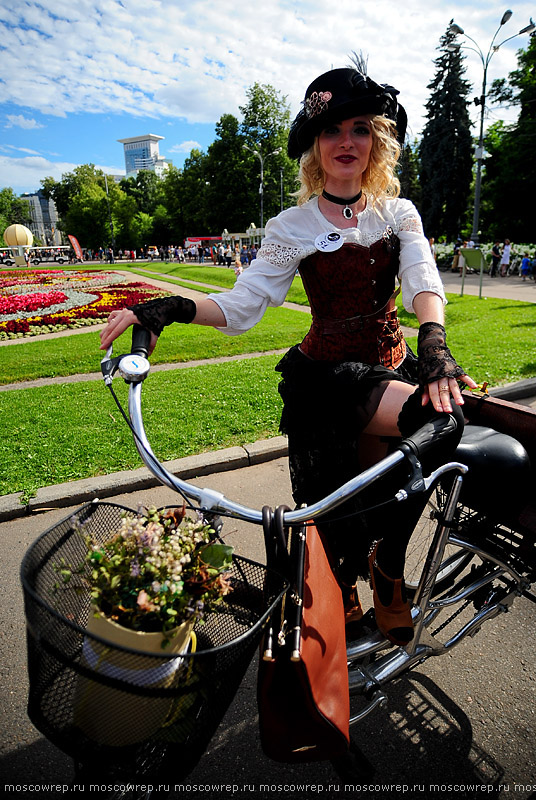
(499, 467)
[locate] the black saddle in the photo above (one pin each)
(499, 470)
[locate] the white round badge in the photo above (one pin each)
(329, 242)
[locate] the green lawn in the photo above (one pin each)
(494, 339)
(69, 431)
(180, 274)
(69, 355)
(65, 432)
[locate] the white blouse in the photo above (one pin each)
(290, 237)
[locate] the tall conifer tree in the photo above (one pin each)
(446, 146)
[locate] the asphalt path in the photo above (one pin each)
(465, 720)
(457, 726)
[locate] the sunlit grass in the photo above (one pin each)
(59, 433)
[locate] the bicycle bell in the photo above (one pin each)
(134, 369)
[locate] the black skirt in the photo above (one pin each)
(326, 407)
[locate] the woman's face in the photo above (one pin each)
(345, 150)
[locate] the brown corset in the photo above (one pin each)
(351, 295)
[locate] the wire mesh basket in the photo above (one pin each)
(121, 711)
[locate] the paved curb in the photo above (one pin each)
(75, 492)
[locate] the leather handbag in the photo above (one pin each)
(303, 694)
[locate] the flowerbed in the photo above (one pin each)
(33, 302)
(30, 302)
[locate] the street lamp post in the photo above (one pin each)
(481, 101)
(261, 186)
(111, 222)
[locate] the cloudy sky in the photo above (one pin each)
(77, 76)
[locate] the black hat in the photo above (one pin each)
(338, 95)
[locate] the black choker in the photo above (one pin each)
(347, 211)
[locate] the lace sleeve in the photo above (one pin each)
(412, 224)
(279, 255)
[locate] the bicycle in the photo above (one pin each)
(469, 559)
(514, 267)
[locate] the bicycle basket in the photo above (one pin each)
(140, 718)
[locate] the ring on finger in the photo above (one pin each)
(444, 389)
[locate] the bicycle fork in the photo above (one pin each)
(367, 680)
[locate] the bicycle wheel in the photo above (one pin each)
(454, 559)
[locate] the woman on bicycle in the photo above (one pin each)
(352, 385)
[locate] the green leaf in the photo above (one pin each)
(217, 556)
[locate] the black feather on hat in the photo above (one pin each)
(337, 95)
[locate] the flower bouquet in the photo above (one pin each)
(149, 584)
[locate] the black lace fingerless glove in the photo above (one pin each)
(156, 314)
(435, 360)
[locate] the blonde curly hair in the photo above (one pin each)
(378, 180)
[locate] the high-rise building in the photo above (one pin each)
(44, 224)
(141, 152)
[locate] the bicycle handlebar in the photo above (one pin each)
(216, 502)
(141, 339)
(433, 432)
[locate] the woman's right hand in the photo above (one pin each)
(118, 322)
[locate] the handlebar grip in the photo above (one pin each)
(428, 437)
(141, 339)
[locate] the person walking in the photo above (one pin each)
(352, 385)
(495, 259)
(505, 257)
(526, 267)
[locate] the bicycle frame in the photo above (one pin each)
(367, 680)
(216, 502)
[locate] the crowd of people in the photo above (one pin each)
(503, 260)
(222, 254)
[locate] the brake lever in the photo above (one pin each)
(109, 365)
(419, 483)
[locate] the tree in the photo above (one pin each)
(87, 217)
(13, 209)
(408, 174)
(87, 203)
(145, 188)
(128, 223)
(170, 215)
(228, 194)
(193, 188)
(510, 169)
(63, 192)
(265, 126)
(446, 146)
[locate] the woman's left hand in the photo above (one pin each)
(118, 322)
(441, 393)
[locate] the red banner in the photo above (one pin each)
(76, 247)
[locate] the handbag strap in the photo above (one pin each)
(275, 540)
(293, 603)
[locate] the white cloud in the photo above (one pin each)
(192, 62)
(9, 147)
(17, 120)
(184, 147)
(26, 173)
(153, 58)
